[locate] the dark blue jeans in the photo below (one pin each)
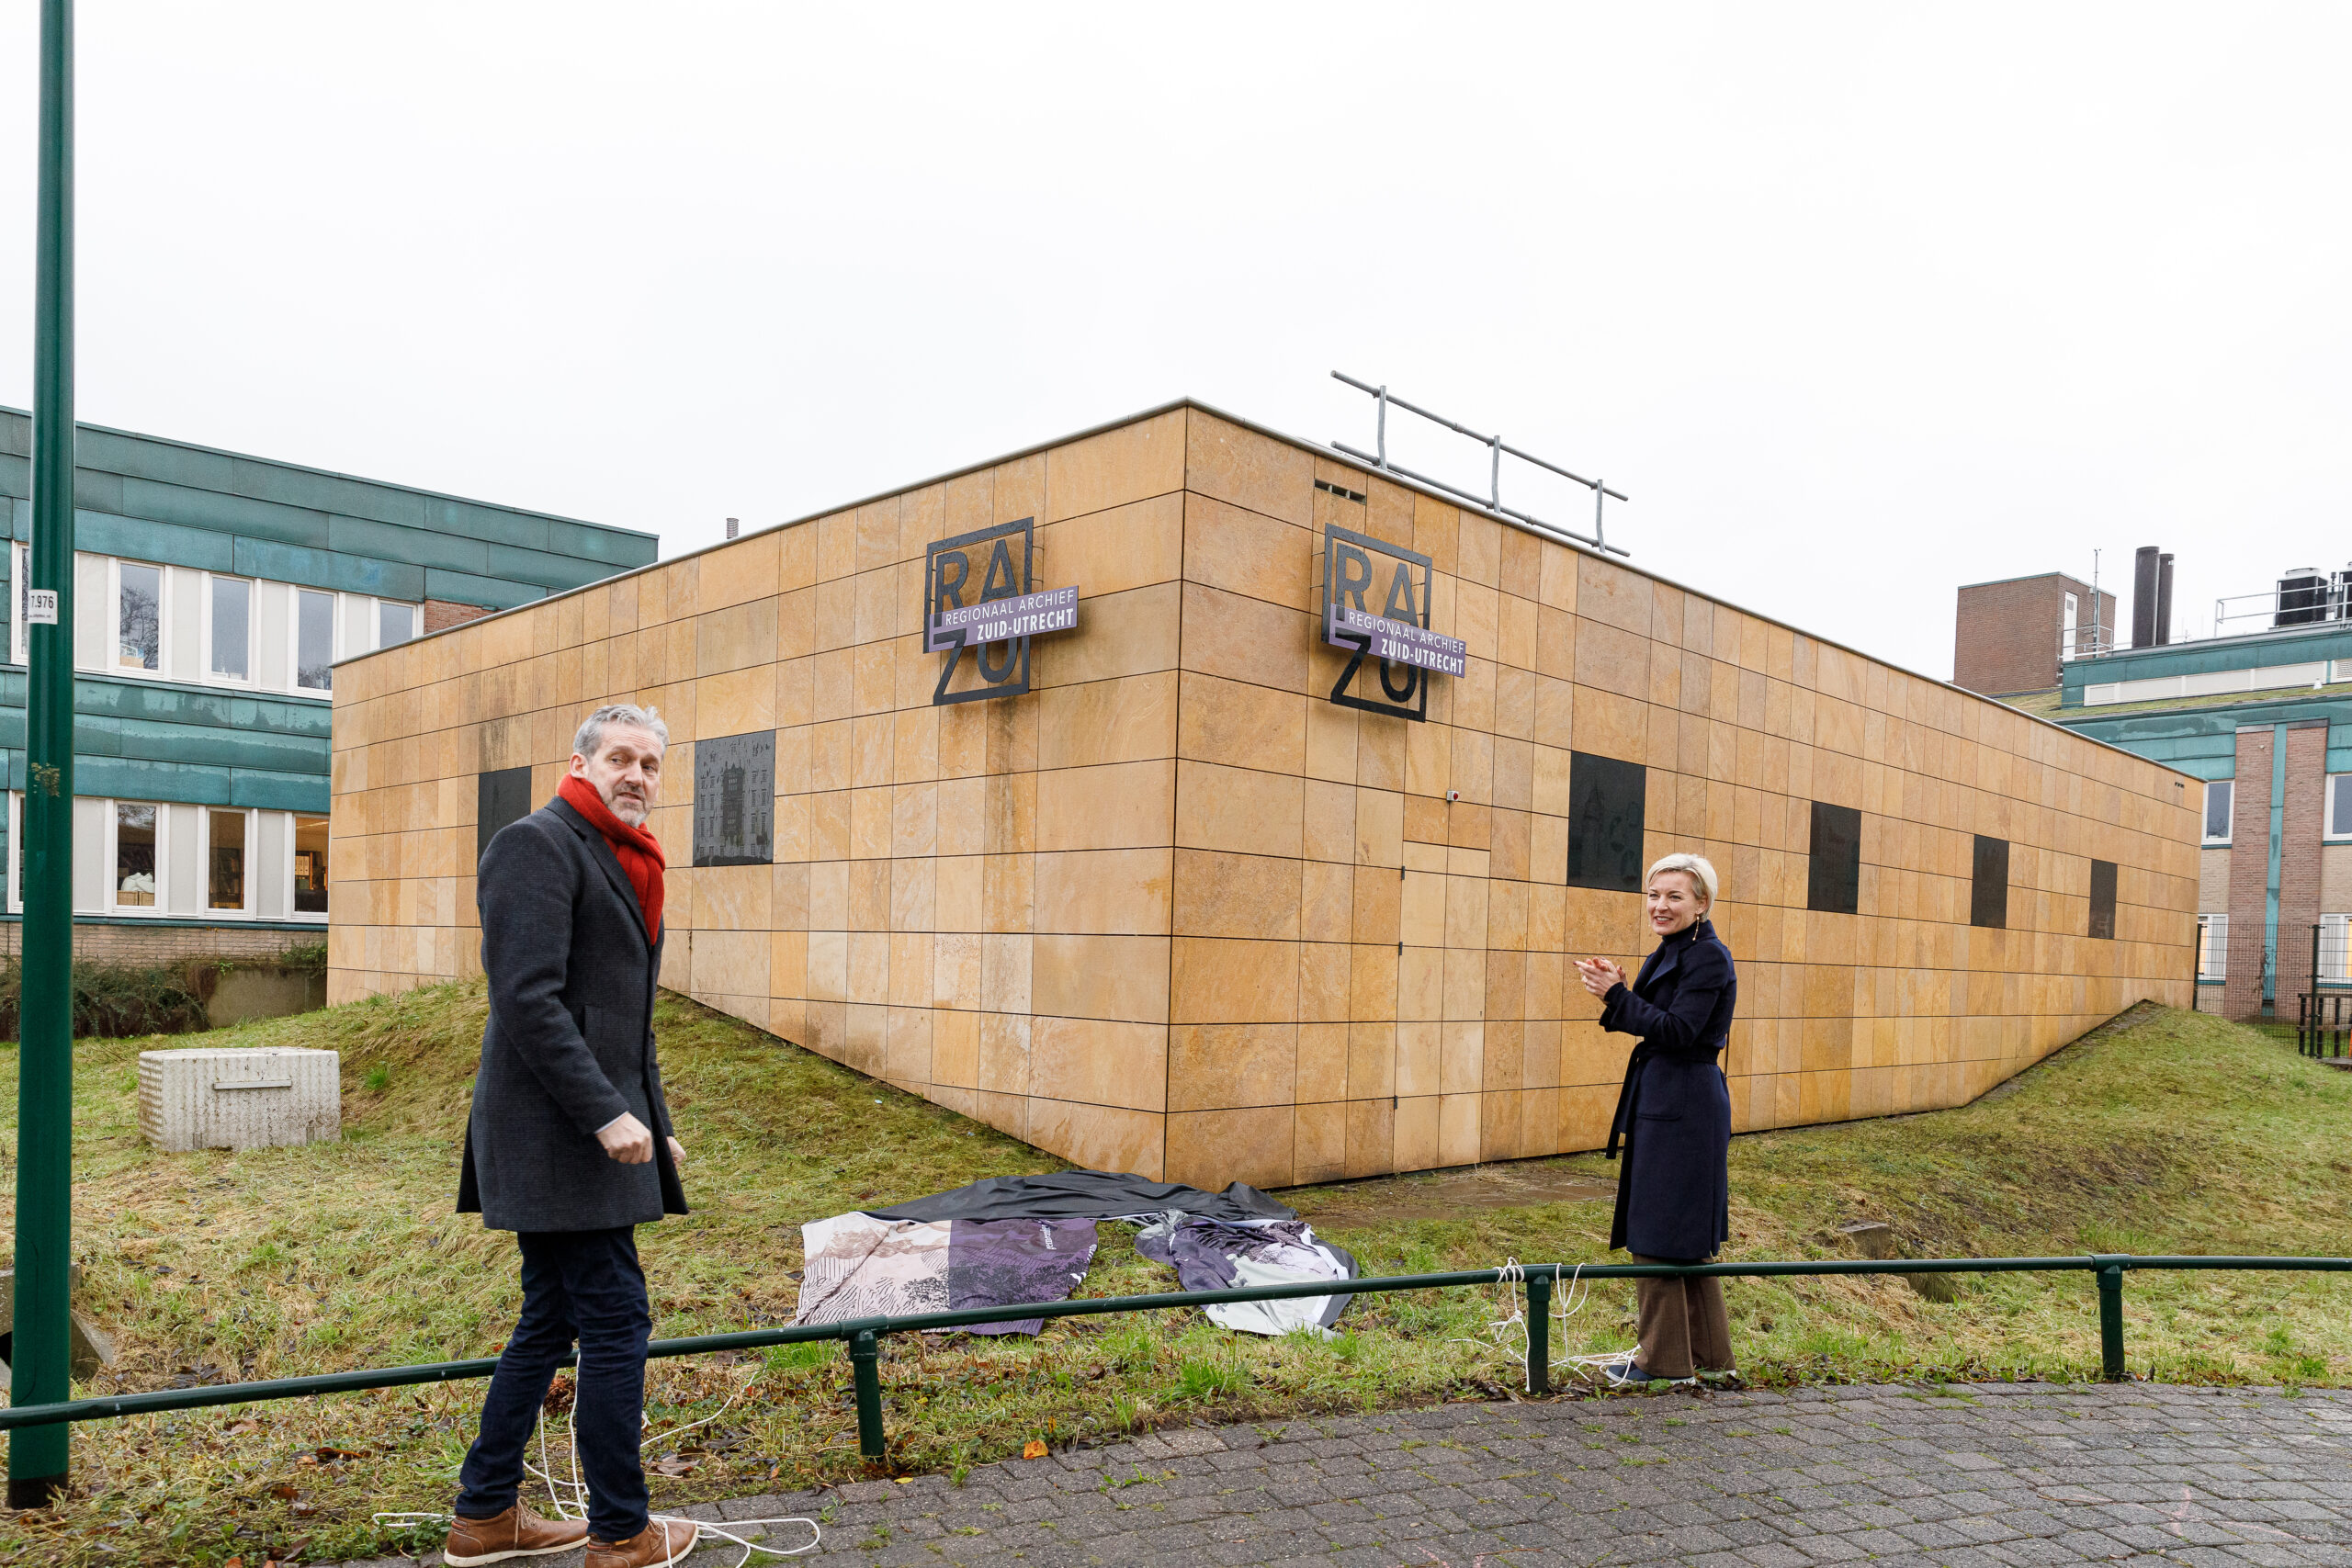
(583, 1285)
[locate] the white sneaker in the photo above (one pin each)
(1626, 1374)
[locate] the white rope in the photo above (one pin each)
(1509, 1333)
(574, 1506)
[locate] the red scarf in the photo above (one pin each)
(639, 852)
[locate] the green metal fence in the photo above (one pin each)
(864, 1335)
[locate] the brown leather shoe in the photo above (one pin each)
(517, 1532)
(662, 1542)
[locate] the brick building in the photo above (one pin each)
(2008, 635)
(2264, 718)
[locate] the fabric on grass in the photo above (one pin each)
(999, 1262)
(1208, 1254)
(857, 1266)
(1086, 1195)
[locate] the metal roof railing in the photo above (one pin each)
(1496, 447)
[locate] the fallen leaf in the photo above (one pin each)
(241, 1428)
(234, 1562)
(311, 1459)
(1034, 1449)
(330, 1454)
(284, 1492)
(904, 1480)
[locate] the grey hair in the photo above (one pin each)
(1695, 866)
(591, 734)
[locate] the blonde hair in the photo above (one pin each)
(1695, 866)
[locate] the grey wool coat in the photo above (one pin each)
(569, 1041)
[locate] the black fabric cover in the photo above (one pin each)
(1085, 1195)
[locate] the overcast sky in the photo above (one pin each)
(1858, 303)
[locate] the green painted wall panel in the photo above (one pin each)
(163, 461)
(111, 535)
(329, 568)
(15, 474)
(210, 746)
(222, 513)
(156, 703)
(416, 546)
(263, 791)
(495, 524)
(552, 572)
(96, 491)
(469, 589)
(324, 493)
(618, 550)
(2333, 640)
(127, 778)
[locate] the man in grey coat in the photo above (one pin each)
(569, 1144)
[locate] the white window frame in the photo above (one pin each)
(376, 622)
(2338, 825)
(204, 671)
(2232, 786)
(2208, 950)
(114, 665)
(319, 917)
(15, 848)
(107, 844)
(294, 640)
(204, 910)
(2334, 935)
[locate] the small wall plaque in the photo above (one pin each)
(735, 799)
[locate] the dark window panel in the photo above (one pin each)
(2103, 899)
(501, 796)
(735, 800)
(1833, 877)
(1988, 896)
(1606, 801)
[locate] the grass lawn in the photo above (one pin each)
(2169, 1132)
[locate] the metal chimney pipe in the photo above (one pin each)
(2164, 598)
(734, 525)
(2145, 568)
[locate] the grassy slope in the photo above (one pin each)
(2175, 1134)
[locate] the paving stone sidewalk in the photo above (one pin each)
(1988, 1474)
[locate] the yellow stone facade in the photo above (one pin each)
(1174, 911)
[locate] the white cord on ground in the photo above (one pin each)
(1566, 1303)
(574, 1506)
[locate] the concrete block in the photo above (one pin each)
(239, 1099)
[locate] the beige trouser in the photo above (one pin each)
(1684, 1327)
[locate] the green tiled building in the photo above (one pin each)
(213, 594)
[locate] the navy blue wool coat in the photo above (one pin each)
(570, 1042)
(1674, 1113)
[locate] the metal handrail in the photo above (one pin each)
(1496, 446)
(863, 1336)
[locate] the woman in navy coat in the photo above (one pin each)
(1674, 1122)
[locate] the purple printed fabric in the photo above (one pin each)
(999, 1262)
(1215, 1255)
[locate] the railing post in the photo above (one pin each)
(2110, 1317)
(865, 1353)
(2315, 1045)
(1539, 1331)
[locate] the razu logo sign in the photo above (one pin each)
(1376, 607)
(979, 591)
